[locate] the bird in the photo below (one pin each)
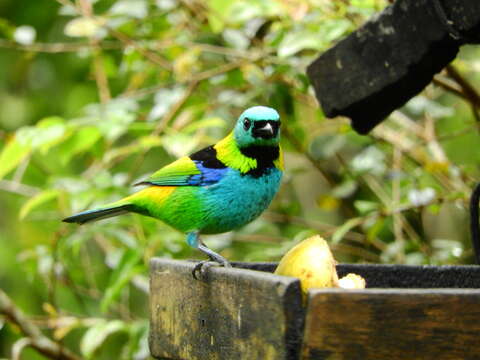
(214, 190)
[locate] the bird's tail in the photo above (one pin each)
(97, 214)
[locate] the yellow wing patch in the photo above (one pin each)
(155, 194)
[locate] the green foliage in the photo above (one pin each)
(96, 95)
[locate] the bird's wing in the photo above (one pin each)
(199, 169)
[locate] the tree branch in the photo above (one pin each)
(34, 337)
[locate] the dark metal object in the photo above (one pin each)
(408, 312)
(474, 224)
(392, 57)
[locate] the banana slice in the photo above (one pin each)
(312, 262)
(352, 281)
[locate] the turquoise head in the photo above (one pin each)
(257, 126)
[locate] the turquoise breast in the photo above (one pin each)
(237, 199)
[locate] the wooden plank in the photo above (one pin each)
(232, 314)
(392, 324)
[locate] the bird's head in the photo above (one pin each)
(258, 125)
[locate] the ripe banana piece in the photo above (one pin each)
(312, 262)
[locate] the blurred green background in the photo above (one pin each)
(95, 95)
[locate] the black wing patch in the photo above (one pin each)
(208, 158)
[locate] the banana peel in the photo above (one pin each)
(313, 263)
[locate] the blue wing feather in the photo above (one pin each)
(207, 176)
(200, 169)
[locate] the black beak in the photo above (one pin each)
(265, 129)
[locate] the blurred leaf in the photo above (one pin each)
(328, 203)
(434, 208)
(137, 347)
(326, 146)
(179, 144)
(143, 144)
(332, 29)
(12, 155)
(80, 141)
(344, 189)
(114, 118)
(128, 266)
(365, 207)
(67, 325)
(375, 228)
(294, 42)
(6, 29)
(47, 133)
(95, 336)
(345, 228)
(185, 65)
(420, 104)
(243, 11)
(219, 9)
(164, 100)
(132, 8)
(371, 160)
(204, 123)
(421, 197)
(37, 201)
(85, 27)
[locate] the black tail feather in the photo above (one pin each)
(98, 214)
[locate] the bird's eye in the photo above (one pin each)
(246, 123)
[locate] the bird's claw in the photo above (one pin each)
(201, 268)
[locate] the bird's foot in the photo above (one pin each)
(193, 239)
(201, 268)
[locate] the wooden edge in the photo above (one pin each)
(220, 287)
(216, 272)
(392, 324)
(394, 291)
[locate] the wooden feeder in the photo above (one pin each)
(407, 312)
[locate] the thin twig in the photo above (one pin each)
(36, 339)
(468, 89)
(195, 78)
(99, 71)
(450, 86)
(18, 188)
(54, 48)
(18, 347)
(397, 222)
(149, 55)
(470, 92)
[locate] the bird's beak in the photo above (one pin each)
(265, 131)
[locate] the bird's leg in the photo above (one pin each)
(193, 239)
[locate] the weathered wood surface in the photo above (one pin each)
(232, 314)
(392, 324)
(377, 68)
(410, 312)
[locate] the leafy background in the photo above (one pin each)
(95, 95)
